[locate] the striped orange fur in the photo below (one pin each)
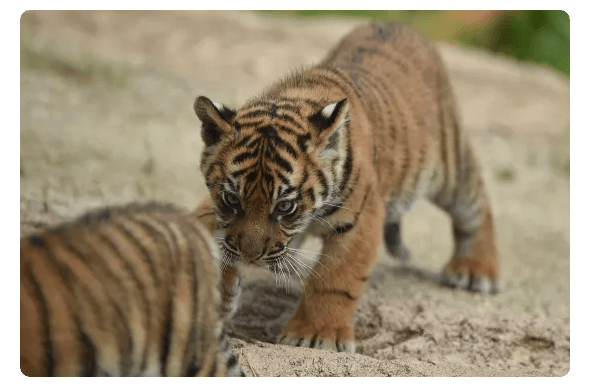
(123, 291)
(340, 150)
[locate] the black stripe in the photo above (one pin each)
(96, 264)
(194, 268)
(175, 246)
(71, 282)
(96, 216)
(328, 210)
(285, 129)
(342, 78)
(286, 190)
(313, 340)
(252, 123)
(145, 254)
(254, 114)
(273, 110)
(341, 229)
(270, 133)
(339, 292)
(309, 192)
(37, 241)
(147, 306)
(97, 261)
(289, 119)
(323, 182)
(269, 182)
(350, 188)
(348, 163)
(462, 234)
(302, 141)
(252, 176)
(226, 113)
(289, 149)
(280, 105)
(88, 353)
(374, 85)
(47, 337)
(284, 164)
(191, 348)
(169, 323)
(244, 140)
(170, 248)
(358, 55)
(368, 190)
(241, 171)
(231, 362)
(290, 234)
(193, 369)
(288, 107)
(246, 156)
(282, 178)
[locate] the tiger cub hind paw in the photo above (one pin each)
(470, 275)
(401, 253)
(340, 345)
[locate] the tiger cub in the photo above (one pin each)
(122, 291)
(340, 150)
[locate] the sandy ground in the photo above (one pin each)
(106, 117)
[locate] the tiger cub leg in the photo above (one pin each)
(324, 315)
(230, 291)
(393, 240)
(474, 265)
(230, 279)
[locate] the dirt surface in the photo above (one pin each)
(106, 117)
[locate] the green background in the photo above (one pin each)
(538, 36)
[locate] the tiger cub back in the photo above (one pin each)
(123, 291)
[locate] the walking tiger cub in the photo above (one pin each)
(338, 150)
(123, 291)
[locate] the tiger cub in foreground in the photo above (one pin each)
(338, 150)
(123, 291)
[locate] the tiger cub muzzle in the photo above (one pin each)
(258, 246)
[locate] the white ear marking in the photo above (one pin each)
(219, 106)
(328, 110)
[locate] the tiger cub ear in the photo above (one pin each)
(215, 118)
(329, 122)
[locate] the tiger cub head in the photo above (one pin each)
(271, 168)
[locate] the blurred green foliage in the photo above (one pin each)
(538, 36)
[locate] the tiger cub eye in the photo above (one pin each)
(230, 199)
(285, 207)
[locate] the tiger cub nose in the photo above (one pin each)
(252, 248)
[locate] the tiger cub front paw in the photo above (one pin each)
(335, 338)
(476, 275)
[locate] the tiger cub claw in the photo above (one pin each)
(463, 274)
(348, 346)
(300, 333)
